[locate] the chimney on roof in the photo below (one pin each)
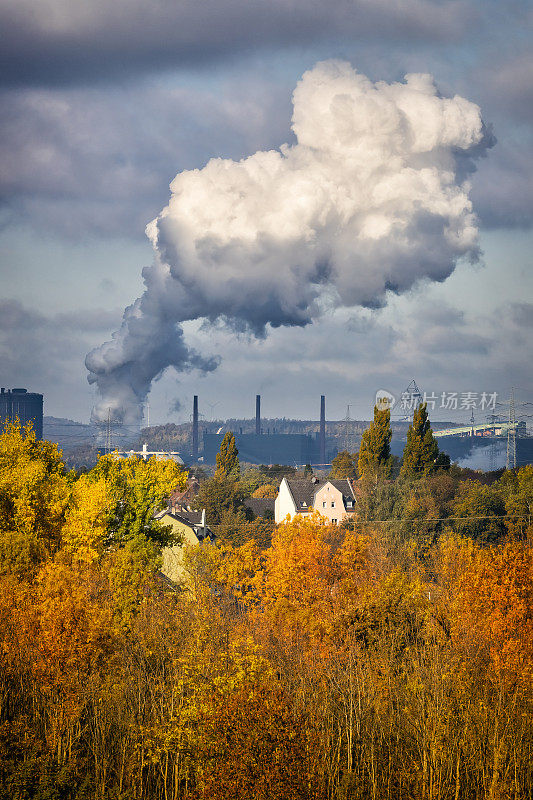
(195, 428)
(258, 415)
(322, 435)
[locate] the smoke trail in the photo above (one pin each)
(372, 197)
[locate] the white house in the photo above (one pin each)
(334, 499)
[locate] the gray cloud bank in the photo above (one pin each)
(64, 41)
(372, 198)
(43, 351)
(75, 162)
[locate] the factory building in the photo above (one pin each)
(24, 406)
(270, 448)
(273, 448)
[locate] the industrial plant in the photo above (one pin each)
(501, 440)
(24, 406)
(270, 447)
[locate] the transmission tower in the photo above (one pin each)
(493, 419)
(108, 432)
(512, 426)
(511, 435)
(348, 431)
(408, 402)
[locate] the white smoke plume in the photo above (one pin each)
(372, 197)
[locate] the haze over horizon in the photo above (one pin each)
(103, 110)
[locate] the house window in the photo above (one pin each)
(333, 503)
(334, 521)
(304, 504)
(349, 504)
(324, 504)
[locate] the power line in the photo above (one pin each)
(441, 519)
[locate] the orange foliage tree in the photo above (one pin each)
(492, 602)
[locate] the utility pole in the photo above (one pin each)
(108, 432)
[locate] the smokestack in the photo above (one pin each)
(322, 436)
(258, 415)
(195, 428)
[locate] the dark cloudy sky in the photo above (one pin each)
(103, 104)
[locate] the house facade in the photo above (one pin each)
(191, 527)
(334, 499)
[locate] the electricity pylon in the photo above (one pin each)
(511, 460)
(414, 396)
(348, 434)
(511, 435)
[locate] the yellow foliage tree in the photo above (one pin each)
(139, 489)
(65, 631)
(87, 518)
(266, 490)
(34, 494)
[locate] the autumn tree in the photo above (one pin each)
(375, 459)
(344, 465)
(334, 664)
(139, 489)
(88, 517)
(421, 454)
(517, 490)
(492, 597)
(479, 511)
(228, 458)
(253, 743)
(218, 495)
(131, 571)
(299, 575)
(250, 479)
(34, 494)
(267, 490)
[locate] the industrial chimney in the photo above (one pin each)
(257, 414)
(195, 428)
(322, 435)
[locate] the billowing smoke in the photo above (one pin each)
(372, 197)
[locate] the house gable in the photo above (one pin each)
(192, 534)
(335, 500)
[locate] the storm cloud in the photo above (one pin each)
(75, 40)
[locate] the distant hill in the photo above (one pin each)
(76, 439)
(67, 433)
